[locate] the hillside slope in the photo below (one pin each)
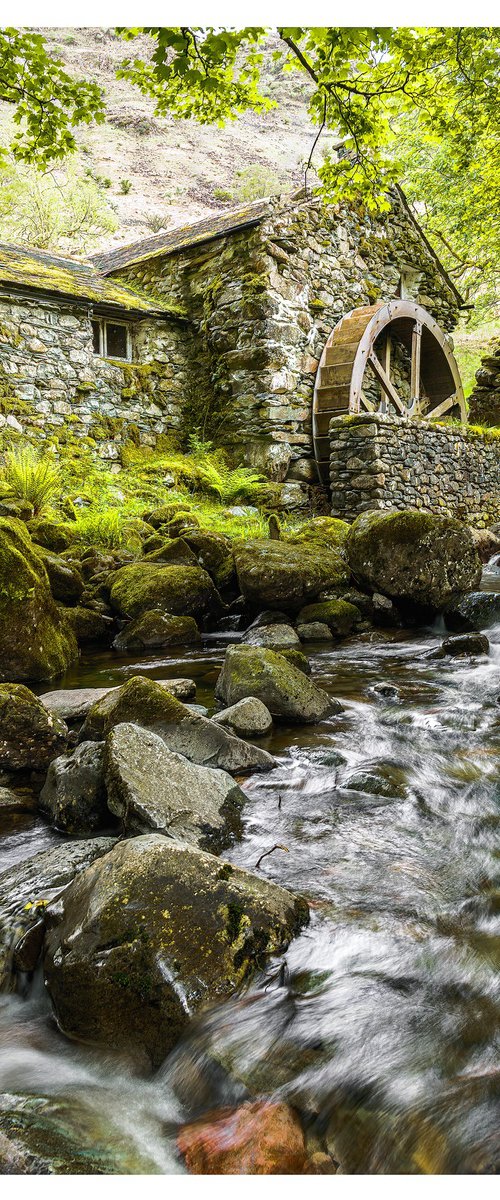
(176, 169)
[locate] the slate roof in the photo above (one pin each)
(182, 236)
(81, 281)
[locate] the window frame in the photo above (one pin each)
(102, 322)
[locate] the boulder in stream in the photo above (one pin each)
(150, 788)
(25, 890)
(463, 644)
(287, 693)
(155, 630)
(261, 1137)
(30, 736)
(74, 796)
(73, 704)
(479, 610)
(417, 559)
(143, 702)
(153, 933)
(248, 718)
(276, 637)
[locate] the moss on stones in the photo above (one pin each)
(35, 640)
(339, 615)
(175, 589)
(414, 557)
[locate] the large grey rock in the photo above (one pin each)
(156, 630)
(143, 703)
(73, 704)
(415, 558)
(30, 736)
(248, 718)
(154, 932)
(150, 788)
(287, 693)
(477, 611)
(463, 644)
(74, 795)
(276, 637)
(25, 890)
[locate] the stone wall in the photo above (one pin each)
(52, 384)
(265, 300)
(484, 403)
(381, 462)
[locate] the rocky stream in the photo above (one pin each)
(379, 1023)
(249, 887)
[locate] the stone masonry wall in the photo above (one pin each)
(380, 462)
(265, 300)
(52, 384)
(484, 403)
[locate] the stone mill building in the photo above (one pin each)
(312, 342)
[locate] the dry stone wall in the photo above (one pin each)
(265, 300)
(484, 403)
(379, 462)
(52, 384)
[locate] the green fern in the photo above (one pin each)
(31, 478)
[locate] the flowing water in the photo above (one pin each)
(381, 1022)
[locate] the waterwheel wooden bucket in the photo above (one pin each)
(435, 387)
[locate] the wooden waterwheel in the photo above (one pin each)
(362, 369)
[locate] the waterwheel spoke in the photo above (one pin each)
(443, 407)
(386, 383)
(416, 350)
(366, 402)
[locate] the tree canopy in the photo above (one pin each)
(415, 105)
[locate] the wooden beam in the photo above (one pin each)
(416, 349)
(441, 408)
(386, 383)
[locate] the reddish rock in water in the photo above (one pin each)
(260, 1138)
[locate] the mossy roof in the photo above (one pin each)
(37, 270)
(183, 236)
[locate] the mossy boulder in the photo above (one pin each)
(326, 531)
(12, 506)
(287, 693)
(53, 535)
(214, 553)
(179, 590)
(30, 735)
(145, 703)
(416, 559)
(35, 640)
(170, 550)
(66, 582)
(171, 928)
(156, 630)
(340, 616)
(90, 627)
(285, 576)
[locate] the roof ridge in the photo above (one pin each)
(215, 224)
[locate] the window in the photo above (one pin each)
(111, 339)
